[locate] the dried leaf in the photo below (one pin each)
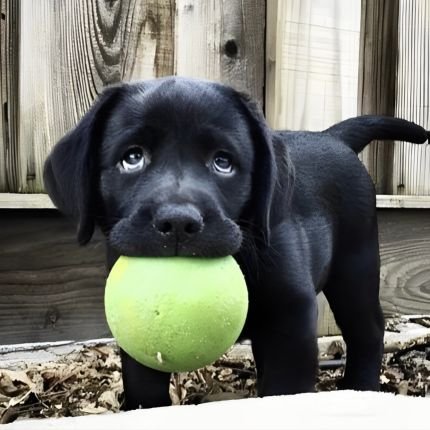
(15, 381)
(92, 409)
(8, 388)
(109, 400)
(403, 388)
(384, 380)
(89, 381)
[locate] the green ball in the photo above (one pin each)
(176, 314)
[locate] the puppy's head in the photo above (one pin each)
(166, 167)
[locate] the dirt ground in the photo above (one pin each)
(89, 382)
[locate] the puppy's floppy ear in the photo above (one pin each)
(70, 175)
(265, 171)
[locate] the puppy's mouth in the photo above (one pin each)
(216, 238)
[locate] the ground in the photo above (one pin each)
(89, 381)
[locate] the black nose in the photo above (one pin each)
(182, 221)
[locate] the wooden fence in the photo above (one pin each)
(57, 56)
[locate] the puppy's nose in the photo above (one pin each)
(182, 221)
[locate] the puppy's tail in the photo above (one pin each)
(360, 131)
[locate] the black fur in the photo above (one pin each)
(297, 212)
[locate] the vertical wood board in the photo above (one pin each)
(9, 63)
(377, 81)
(311, 62)
(222, 40)
(84, 46)
(411, 171)
(88, 44)
(3, 124)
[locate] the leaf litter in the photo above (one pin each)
(89, 382)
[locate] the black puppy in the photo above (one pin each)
(185, 167)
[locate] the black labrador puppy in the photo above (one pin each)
(186, 167)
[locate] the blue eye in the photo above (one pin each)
(133, 160)
(223, 163)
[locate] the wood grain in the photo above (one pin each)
(9, 42)
(399, 202)
(88, 44)
(3, 123)
(50, 288)
(223, 41)
(326, 324)
(273, 63)
(42, 201)
(411, 171)
(311, 62)
(405, 261)
(404, 237)
(25, 201)
(377, 81)
(84, 46)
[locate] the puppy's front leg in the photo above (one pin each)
(285, 315)
(143, 387)
(285, 350)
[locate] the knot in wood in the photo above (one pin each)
(231, 49)
(51, 317)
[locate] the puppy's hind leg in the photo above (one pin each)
(353, 295)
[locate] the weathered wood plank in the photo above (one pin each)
(399, 202)
(326, 324)
(148, 37)
(50, 289)
(42, 201)
(84, 46)
(3, 125)
(25, 201)
(222, 41)
(312, 61)
(273, 63)
(411, 171)
(9, 41)
(404, 237)
(377, 81)
(405, 261)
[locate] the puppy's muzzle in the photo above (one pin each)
(178, 221)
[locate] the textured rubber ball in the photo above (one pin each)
(176, 314)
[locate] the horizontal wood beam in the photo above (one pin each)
(42, 201)
(402, 202)
(51, 289)
(25, 201)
